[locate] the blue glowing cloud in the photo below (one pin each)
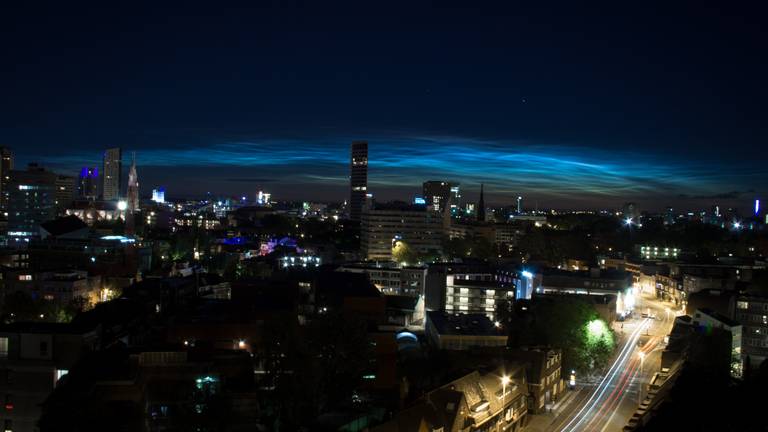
(406, 161)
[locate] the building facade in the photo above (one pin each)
(358, 178)
(752, 313)
(112, 172)
(383, 227)
(31, 201)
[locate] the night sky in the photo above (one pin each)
(565, 105)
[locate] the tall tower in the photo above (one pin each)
(481, 206)
(358, 179)
(133, 187)
(112, 172)
(6, 165)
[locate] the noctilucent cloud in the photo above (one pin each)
(551, 173)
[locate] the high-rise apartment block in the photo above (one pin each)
(358, 179)
(113, 166)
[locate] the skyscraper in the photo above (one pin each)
(438, 193)
(358, 179)
(6, 165)
(113, 167)
(481, 206)
(65, 192)
(88, 183)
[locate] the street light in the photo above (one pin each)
(628, 221)
(504, 381)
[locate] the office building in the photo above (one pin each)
(6, 166)
(158, 195)
(31, 201)
(358, 179)
(112, 172)
(438, 194)
(88, 183)
(387, 226)
(66, 189)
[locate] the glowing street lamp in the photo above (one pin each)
(628, 221)
(505, 380)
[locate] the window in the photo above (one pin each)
(3, 347)
(44, 348)
(25, 277)
(742, 305)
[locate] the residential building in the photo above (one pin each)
(386, 225)
(460, 331)
(358, 179)
(543, 366)
(474, 296)
(492, 401)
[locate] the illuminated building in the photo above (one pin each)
(650, 252)
(358, 179)
(88, 183)
(385, 227)
(112, 172)
(519, 205)
(158, 195)
(263, 198)
(438, 193)
(31, 201)
(392, 279)
(6, 166)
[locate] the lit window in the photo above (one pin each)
(742, 305)
(3, 347)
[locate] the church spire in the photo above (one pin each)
(481, 206)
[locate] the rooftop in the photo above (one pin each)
(463, 324)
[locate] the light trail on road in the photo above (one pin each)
(596, 400)
(618, 393)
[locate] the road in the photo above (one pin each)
(605, 403)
